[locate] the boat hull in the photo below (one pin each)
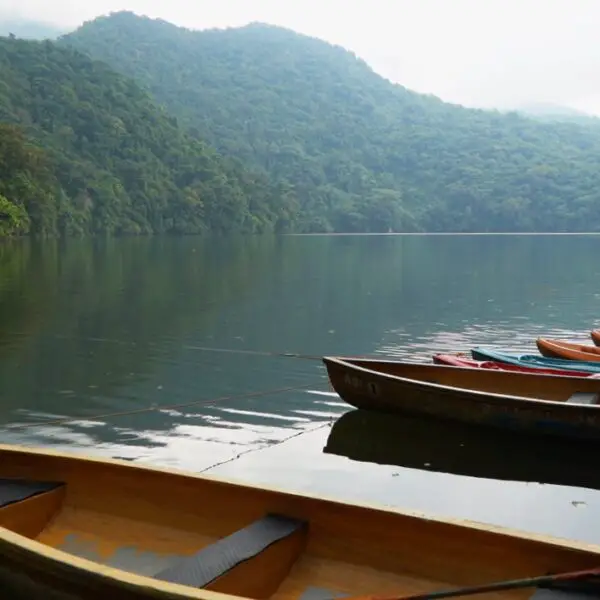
(121, 513)
(567, 350)
(433, 390)
(595, 335)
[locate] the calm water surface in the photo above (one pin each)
(95, 327)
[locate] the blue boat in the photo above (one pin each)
(534, 360)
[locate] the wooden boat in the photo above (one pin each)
(544, 404)
(426, 444)
(86, 528)
(595, 335)
(534, 360)
(568, 350)
(462, 361)
(74, 527)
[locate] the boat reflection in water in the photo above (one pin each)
(461, 449)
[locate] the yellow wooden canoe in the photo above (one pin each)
(568, 350)
(74, 527)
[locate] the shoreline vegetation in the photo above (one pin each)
(133, 126)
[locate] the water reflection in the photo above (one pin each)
(197, 439)
(460, 449)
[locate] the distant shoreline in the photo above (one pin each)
(423, 233)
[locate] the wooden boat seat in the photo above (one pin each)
(16, 490)
(214, 561)
(583, 398)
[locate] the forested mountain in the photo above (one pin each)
(362, 153)
(308, 138)
(86, 150)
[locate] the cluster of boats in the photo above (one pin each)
(78, 527)
(556, 393)
(556, 357)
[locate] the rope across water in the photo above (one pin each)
(160, 407)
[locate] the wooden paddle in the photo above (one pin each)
(542, 580)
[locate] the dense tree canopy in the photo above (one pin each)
(260, 129)
(360, 153)
(86, 150)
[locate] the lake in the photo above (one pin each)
(99, 331)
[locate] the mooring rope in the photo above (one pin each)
(205, 348)
(159, 407)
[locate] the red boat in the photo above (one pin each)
(458, 360)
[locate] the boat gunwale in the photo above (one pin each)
(449, 389)
(136, 582)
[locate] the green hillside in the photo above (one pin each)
(362, 154)
(544, 111)
(85, 150)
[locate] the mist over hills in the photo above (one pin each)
(27, 29)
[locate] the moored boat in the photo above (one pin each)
(76, 527)
(541, 404)
(462, 361)
(568, 350)
(534, 360)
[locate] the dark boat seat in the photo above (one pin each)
(215, 560)
(583, 589)
(563, 591)
(583, 398)
(16, 490)
(550, 594)
(319, 593)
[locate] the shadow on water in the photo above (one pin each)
(460, 449)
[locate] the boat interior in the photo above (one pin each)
(575, 390)
(585, 348)
(252, 542)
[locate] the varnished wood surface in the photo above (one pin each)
(560, 349)
(31, 516)
(350, 548)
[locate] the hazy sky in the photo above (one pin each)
(498, 53)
